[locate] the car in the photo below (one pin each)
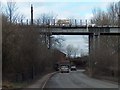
(73, 68)
(64, 69)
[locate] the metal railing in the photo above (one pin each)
(56, 23)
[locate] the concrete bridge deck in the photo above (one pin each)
(75, 30)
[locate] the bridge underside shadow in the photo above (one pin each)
(77, 33)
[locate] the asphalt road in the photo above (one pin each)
(76, 79)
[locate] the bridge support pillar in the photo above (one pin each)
(49, 41)
(90, 53)
(94, 44)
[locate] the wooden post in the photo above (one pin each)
(48, 22)
(86, 23)
(80, 22)
(38, 22)
(54, 22)
(75, 22)
(70, 24)
(27, 21)
(21, 22)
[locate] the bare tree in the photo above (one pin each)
(104, 58)
(22, 55)
(110, 17)
(71, 51)
(47, 18)
(100, 17)
(11, 11)
(113, 11)
(75, 52)
(57, 42)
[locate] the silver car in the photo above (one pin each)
(73, 68)
(64, 68)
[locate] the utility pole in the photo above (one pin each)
(31, 14)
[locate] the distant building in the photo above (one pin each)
(61, 57)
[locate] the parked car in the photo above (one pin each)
(73, 68)
(64, 68)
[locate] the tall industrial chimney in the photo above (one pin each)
(31, 14)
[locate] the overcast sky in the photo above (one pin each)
(78, 9)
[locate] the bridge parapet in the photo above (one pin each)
(115, 30)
